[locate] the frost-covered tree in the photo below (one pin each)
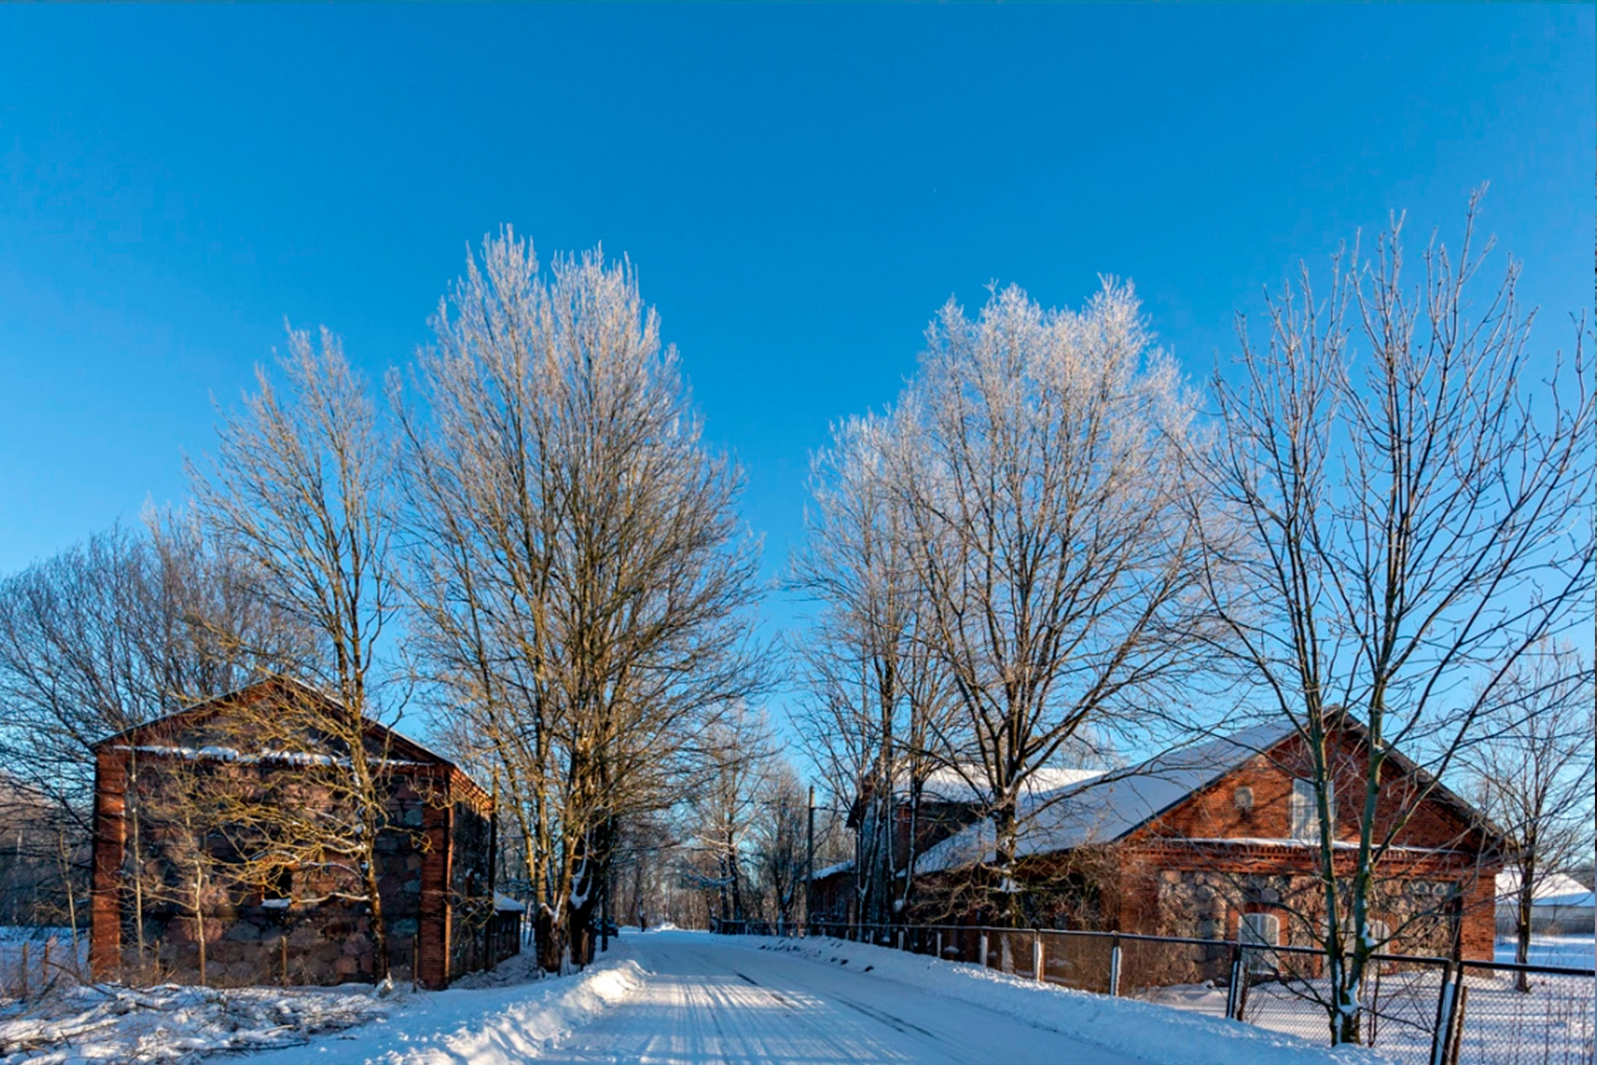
(876, 712)
(582, 581)
(1051, 532)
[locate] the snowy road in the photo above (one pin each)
(707, 1001)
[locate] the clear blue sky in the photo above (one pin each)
(800, 187)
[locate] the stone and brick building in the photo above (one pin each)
(1221, 841)
(175, 880)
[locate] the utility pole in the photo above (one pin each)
(809, 865)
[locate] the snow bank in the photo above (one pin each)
(1137, 1029)
(486, 1019)
(176, 1024)
(483, 1025)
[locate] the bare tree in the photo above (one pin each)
(1407, 523)
(877, 709)
(582, 582)
(133, 623)
(1533, 772)
(728, 806)
(300, 488)
(779, 845)
(1038, 462)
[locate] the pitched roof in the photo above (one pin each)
(953, 784)
(1557, 889)
(1110, 806)
(407, 748)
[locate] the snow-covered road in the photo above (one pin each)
(706, 1001)
(689, 998)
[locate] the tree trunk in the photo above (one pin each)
(1523, 911)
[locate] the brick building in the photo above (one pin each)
(171, 886)
(1220, 841)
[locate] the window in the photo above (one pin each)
(1305, 810)
(278, 889)
(1260, 930)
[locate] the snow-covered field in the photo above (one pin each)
(1552, 1024)
(1573, 952)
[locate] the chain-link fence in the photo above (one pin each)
(1414, 1010)
(1524, 1015)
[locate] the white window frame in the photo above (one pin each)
(1305, 810)
(1257, 932)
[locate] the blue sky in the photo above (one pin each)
(800, 187)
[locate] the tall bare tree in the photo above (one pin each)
(300, 487)
(1533, 772)
(583, 583)
(1409, 521)
(877, 711)
(1039, 466)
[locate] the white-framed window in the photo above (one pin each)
(1257, 932)
(1379, 933)
(1306, 811)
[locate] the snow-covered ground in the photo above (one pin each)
(956, 1012)
(668, 997)
(1571, 952)
(1551, 1024)
(685, 998)
(175, 1024)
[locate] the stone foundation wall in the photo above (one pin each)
(1423, 914)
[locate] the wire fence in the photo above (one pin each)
(33, 960)
(1415, 1010)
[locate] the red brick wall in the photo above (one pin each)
(1212, 811)
(1158, 850)
(105, 931)
(432, 956)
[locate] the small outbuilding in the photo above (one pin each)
(1560, 905)
(176, 895)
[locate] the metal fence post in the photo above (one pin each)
(900, 939)
(1036, 953)
(1444, 1015)
(1233, 998)
(983, 961)
(939, 944)
(1460, 1009)
(1114, 968)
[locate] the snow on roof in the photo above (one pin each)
(954, 784)
(1110, 805)
(505, 904)
(1558, 889)
(833, 870)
